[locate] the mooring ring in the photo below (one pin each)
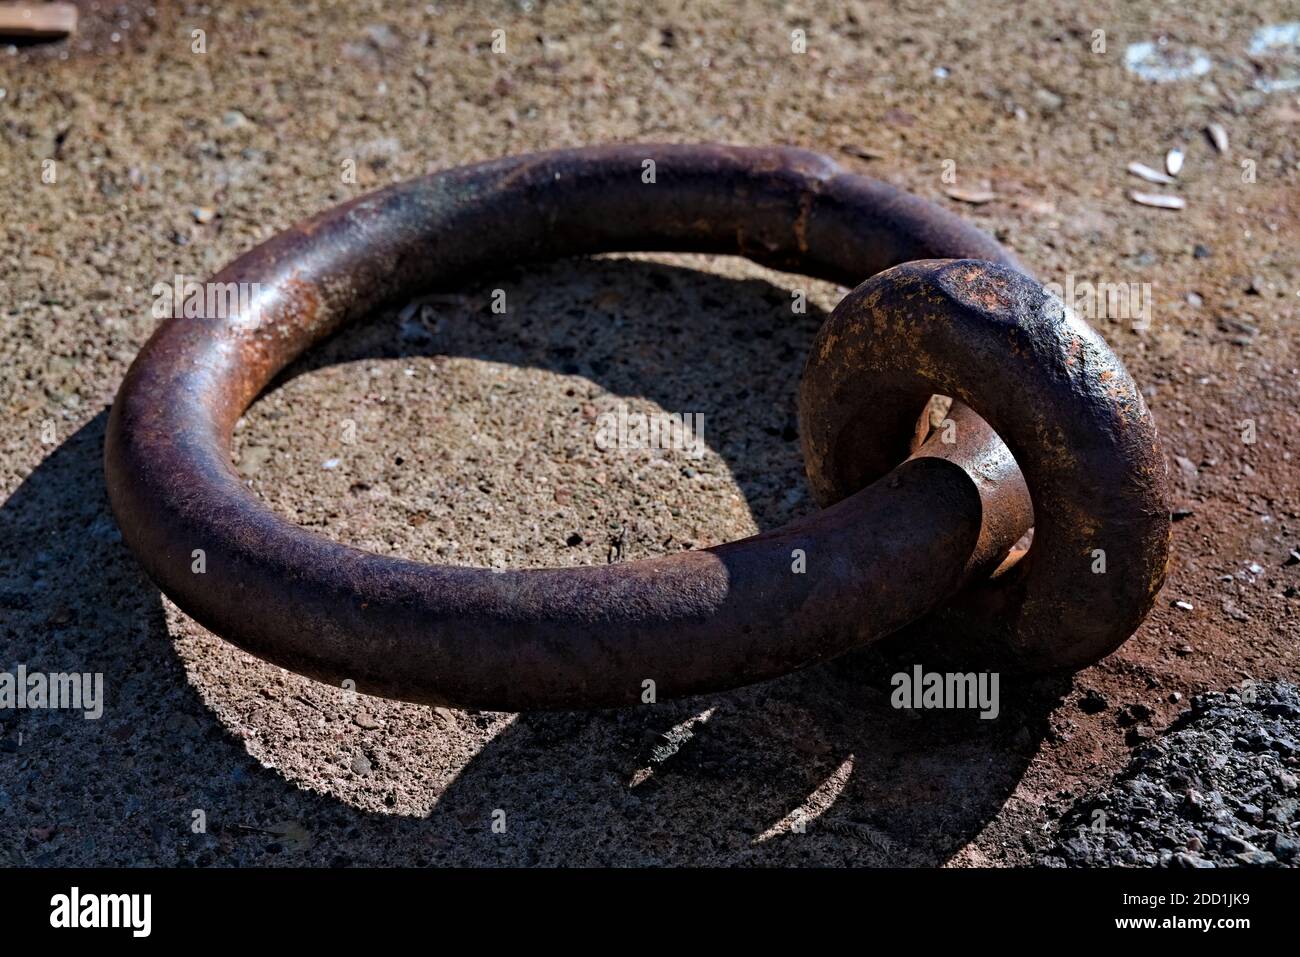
(1072, 416)
(555, 638)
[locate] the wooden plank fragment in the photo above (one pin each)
(37, 21)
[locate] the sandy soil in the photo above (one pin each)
(473, 429)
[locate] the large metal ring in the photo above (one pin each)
(593, 636)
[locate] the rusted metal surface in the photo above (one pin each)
(883, 554)
(1074, 420)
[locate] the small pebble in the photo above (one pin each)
(1218, 136)
(1158, 200)
(1143, 171)
(1093, 702)
(1174, 161)
(975, 197)
(1256, 858)
(1232, 611)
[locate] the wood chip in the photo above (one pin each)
(976, 197)
(37, 21)
(1174, 161)
(1158, 200)
(1219, 137)
(1149, 174)
(862, 152)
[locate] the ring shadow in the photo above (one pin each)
(814, 768)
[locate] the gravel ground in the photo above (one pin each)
(1218, 789)
(474, 430)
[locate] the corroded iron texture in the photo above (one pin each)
(894, 544)
(1073, 418)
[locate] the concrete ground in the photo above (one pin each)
(135, 158)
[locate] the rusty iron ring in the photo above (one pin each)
(879, 558)
(1075, 422)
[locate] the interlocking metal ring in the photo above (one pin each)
(894, 542)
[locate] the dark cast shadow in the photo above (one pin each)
(813, 768)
